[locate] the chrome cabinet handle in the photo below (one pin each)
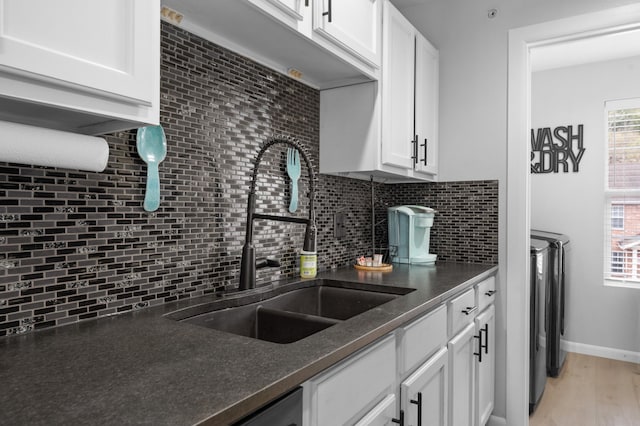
(469, 310)
(418, 402)
(328, 12)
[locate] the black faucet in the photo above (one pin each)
(248, 262)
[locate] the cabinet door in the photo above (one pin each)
(485, 325)
(354, 25)
(462, 377)
(424, 395)
(398, 55)
(427, 63)
(382, 414)
(87, 45)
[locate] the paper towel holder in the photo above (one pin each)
(39, 146)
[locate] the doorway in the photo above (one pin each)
(522, 41)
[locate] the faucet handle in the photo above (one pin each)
(267, 263)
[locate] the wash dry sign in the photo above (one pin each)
(557, 150)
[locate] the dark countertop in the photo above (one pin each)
(145, 369)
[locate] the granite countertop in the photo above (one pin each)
(145, 369)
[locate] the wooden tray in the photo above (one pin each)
(385, 267)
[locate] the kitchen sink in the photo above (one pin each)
(293, 315)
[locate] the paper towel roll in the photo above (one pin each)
(38, 146)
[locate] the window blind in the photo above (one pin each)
(622, 193)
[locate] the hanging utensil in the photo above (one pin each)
(152, 148)
(293, 170)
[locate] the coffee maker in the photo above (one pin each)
(409, 232)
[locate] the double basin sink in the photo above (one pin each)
(292, 313)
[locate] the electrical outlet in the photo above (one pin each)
(339, 227)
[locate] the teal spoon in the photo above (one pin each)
(152, 148)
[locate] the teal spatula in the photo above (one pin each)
(152, 148)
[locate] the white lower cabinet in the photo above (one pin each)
(437, 370)
(424, 394)
(382, 414)
(462, 377)
(485, 373)
(347, 392)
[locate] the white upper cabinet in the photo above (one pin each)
(398, 138)
(426, 106)
(86, 67)
(353, 25)
(320, 42)
(409, 97)
(386, 129)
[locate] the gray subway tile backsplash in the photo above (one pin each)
(78, 245)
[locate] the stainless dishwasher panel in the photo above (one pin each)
(286, 411)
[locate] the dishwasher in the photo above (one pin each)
(285, 411)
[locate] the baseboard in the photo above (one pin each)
(496, 421)
(601, 351)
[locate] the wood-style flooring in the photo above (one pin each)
(591, 391)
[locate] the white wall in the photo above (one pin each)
(572, 203)
(473, 100)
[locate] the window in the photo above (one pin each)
(622, 193)
(617, 262)
(617, 216)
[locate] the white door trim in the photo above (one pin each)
(521, 40)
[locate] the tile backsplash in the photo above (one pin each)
(78, 245)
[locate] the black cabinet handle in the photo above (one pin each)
(400, 421)
(490, 293)
(418, 402)
(328, 12)
(486, 338)
(306, 3)
(479, 353)
(414, 148)
(424, 160)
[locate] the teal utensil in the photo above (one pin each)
(152, 148)
(293, 170)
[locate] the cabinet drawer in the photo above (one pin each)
(462, 311)
(421, 338)
(486, 293)
(353, 386)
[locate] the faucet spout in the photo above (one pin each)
(248, 260)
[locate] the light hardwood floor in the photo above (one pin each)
(591, 391)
